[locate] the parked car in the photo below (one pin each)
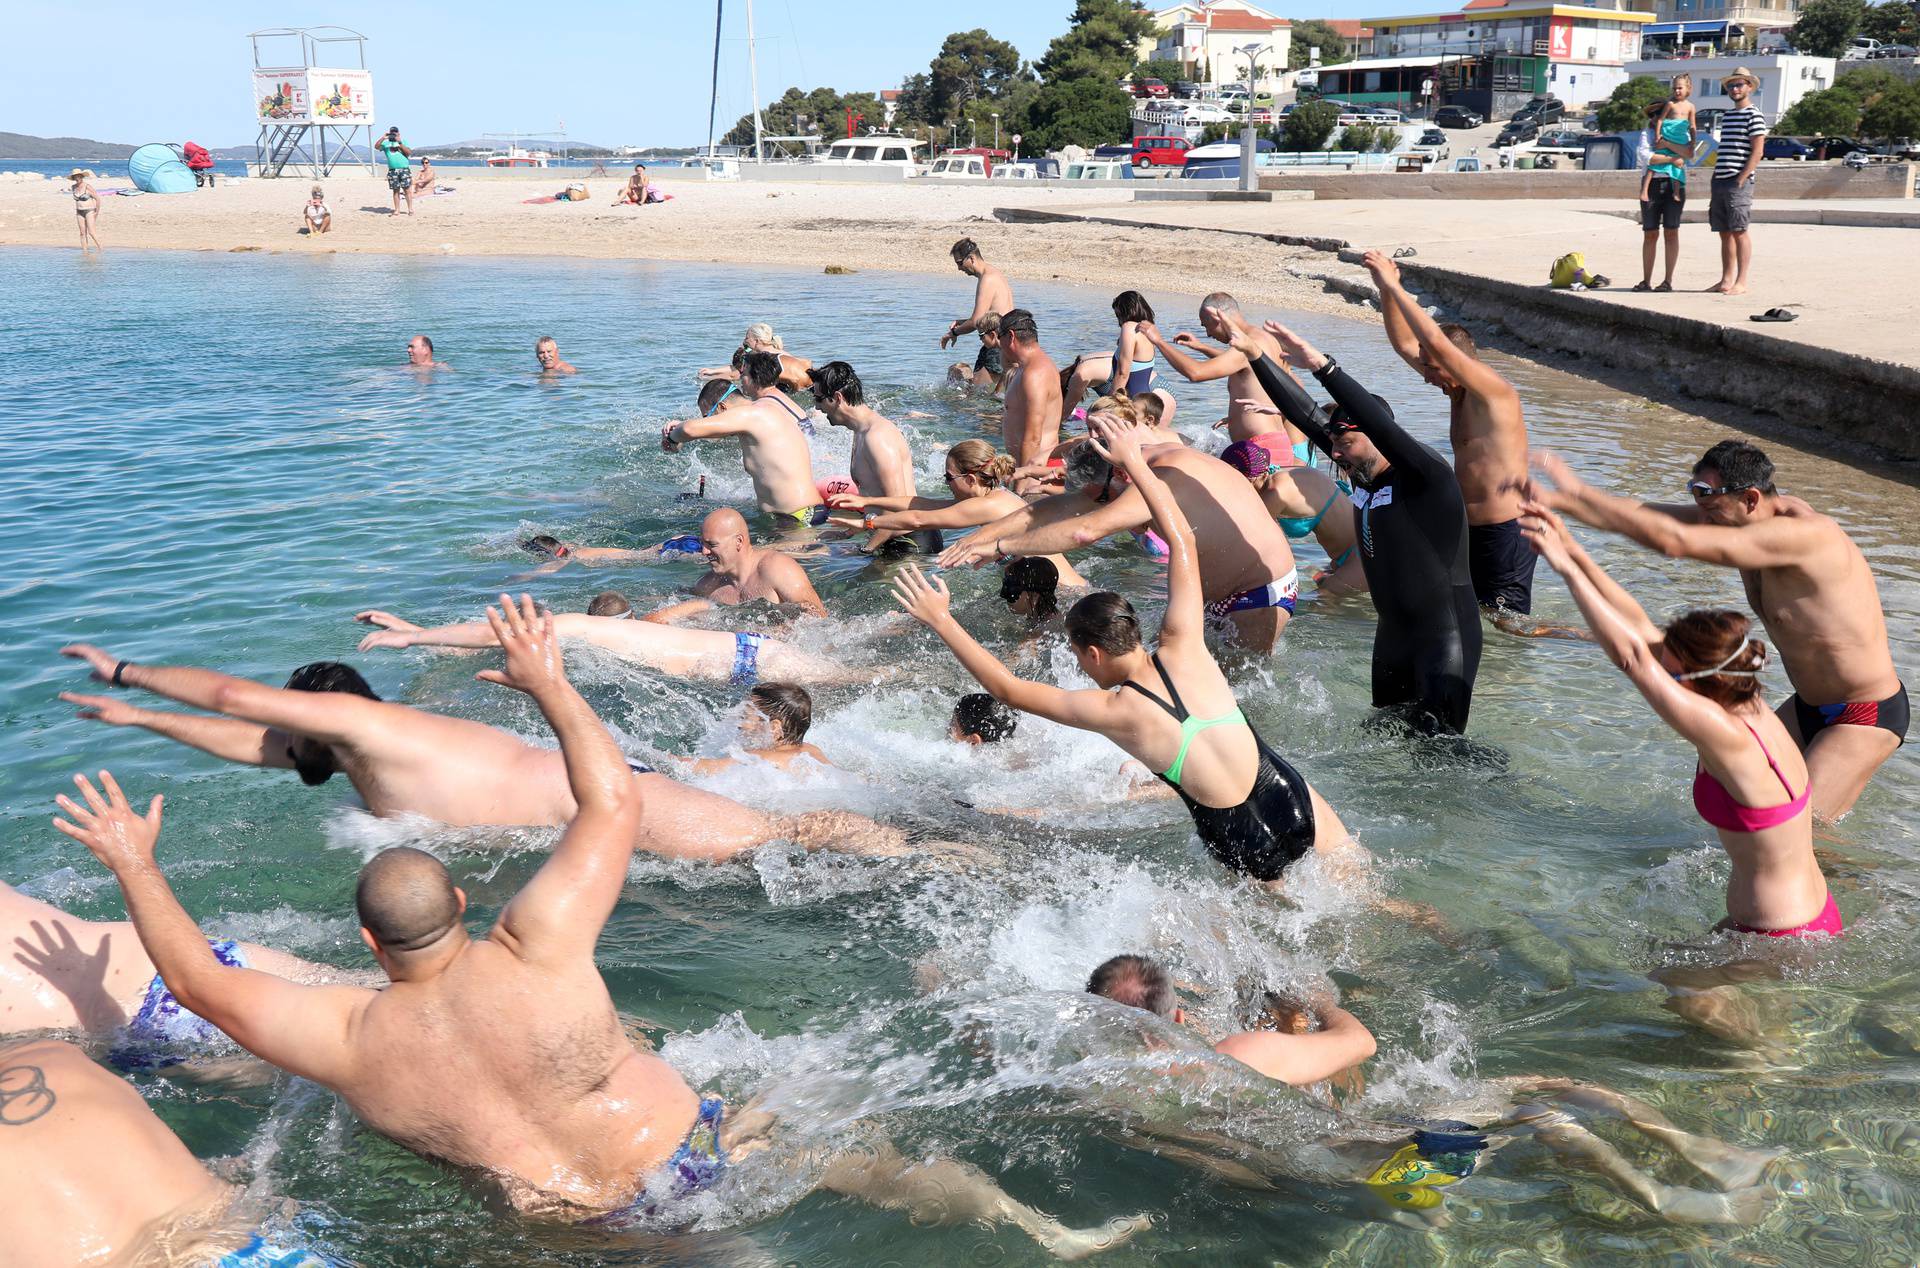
(1114, 152)
(1457, 117)
(1543, 110)
(1234, 99)
(1187, 90)
(1151, 88)
(1903, 52)
(1562, 139)
(1862, 47)
(1516, 131)
(1160, 151)
(1786, 147)
(1837, 146)
(1433, 145)
(1100, 170)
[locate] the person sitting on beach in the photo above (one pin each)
(423, 183)
(1404, 1173)
(882, 462)
(420, 354)
(546, 351)
(316, 215)
(774, 719)
(639, 190)
(407, 761)
(1304, 502)
(992, 293)
(1248, 579)
(94, 1175)
(1030, 422)
(773, 449)
(1253, 810)
(980, 719)
(455, 1058)
(976, 476)
(989, 370)
(1810, 583)
(737, 570)
(795, 372)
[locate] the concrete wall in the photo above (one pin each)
(1777, 180)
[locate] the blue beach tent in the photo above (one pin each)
(158, 169)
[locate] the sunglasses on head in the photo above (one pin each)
(721, 399)
(1701, 489)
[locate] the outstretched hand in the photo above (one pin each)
(385, 620)
(1380, 264)
(100, 662)
(968, 552)
(532, 649)
(1116, 439)
(847, 501)
(1565, 486)
(109, 827)
(1251, 406)
(925, 599)
(1297, 350)
(1547, 534)
(108, 709)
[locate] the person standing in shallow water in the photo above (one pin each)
(86, 207)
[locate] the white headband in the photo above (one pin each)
(1721, 668)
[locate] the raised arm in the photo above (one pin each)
(1119, 442)
(1341, 1043)
(304, 1030)
(927, 601)
(731, 422)
(1475, 375)
(1781, 541)
(322, 715)
(228, 738)
(1211, 365)
(560, 912)
(1399, 330)
(1295, 405)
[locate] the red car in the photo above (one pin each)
(1160, 151)
(1151, 88)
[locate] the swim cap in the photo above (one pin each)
(1250, 458)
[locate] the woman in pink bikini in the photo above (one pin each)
(1702, 675)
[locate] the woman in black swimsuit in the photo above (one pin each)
(1254, 811)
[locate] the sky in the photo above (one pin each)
(616, 72)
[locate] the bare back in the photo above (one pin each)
(1030, 427)
(1823, 614)
(1239, 546)
(882, 461)
(462, 773)
(774, 452)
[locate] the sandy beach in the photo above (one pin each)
(856, 226)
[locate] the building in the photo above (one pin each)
(1784, 78)
(1207, 39)
(1494, 55)
(1356, 33)
(1724, 24)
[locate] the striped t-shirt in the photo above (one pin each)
(1740, 131)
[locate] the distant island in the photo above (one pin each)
(21, 148)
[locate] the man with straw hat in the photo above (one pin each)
(1743, 134)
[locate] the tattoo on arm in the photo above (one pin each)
(24, 1095)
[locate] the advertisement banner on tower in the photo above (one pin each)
(313, 95)
(1560, 39)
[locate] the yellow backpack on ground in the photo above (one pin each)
(1571, 270)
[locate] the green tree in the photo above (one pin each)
(1314, 33)
(1866, 83)
(1827, 112)
(1309, 126)
(1359, 137)
(914, 105)
(1085, 111)
(971, 66)
(1893, 116)
(1164, 69)
(1102, 41)
(1890, 23)
(1827, 27)
(1626, 109)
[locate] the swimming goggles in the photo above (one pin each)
(1701, 489)
(731, 389)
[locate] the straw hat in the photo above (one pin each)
(1741, 72)
(80, 171)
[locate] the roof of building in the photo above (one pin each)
(1235, 20)
(1390, 63)
(1484, 4)
(1516, 9)
(1351, 28)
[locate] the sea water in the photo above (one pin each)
(217, 460)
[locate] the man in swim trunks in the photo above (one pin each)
(1489, 437)
(992, 293)
(1412, 533)
(1247, 572)
(1221, 317)
(773, 449)
(882, 461)
(420, 354)
(406, 761)
(547, 352)
(94, 1175)
(1030, 423)
(1812, 587)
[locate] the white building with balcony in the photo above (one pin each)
(1784, 78)
(1207, 39)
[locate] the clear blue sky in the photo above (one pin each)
(617, 72)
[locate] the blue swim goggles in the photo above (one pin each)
(731, 389)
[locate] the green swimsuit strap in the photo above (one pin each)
(1190, 726)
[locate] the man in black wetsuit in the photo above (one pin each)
(1412, 537)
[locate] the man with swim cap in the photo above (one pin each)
(992, 293)
(1221, 317)
(1489, 435)
(1247, 572)
(882, 462)
(407, 761)
(773, 449)
(1413, 538)
(1030, 423)
(93, 1175)
(1812, 587)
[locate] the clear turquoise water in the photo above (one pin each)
(217, 459)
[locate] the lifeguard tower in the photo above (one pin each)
(313, 95)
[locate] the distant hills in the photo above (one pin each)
(47, 149)
(19, 147)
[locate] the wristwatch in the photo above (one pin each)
(868, 517)
(1328, 368)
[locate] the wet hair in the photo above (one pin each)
(988, 325)
(1018, 324)
(762, 332)
(1085, 466)
(1249, 457)
(711, 393)
(426, 340)
(762, 369)
(609, 603)
(542, 544)
(405, 899)
(1132, 306)
(836, 378)
(1152, 407)
(977, 458)
(965, 250)
(1707, 637)
(314, 761)
(1033, 575)
(543, 341)
(1104, 620)
(978, 713)
(1458, 335)
(1741, 465)
(1221, 302)
(787, 706)
(1135, 981)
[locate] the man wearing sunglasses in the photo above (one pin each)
(1811, 586)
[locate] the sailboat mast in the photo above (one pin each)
(713, 102)
(753, 80)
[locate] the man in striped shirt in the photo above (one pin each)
(1743, 136)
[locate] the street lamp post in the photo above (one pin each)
(1249, 147)
(996, 129)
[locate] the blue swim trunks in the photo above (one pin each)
(1284, 594)
(694, 1168)
(746, 659)
(261, 1253)
(162, 1032)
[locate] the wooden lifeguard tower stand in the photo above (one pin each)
(313, 95)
